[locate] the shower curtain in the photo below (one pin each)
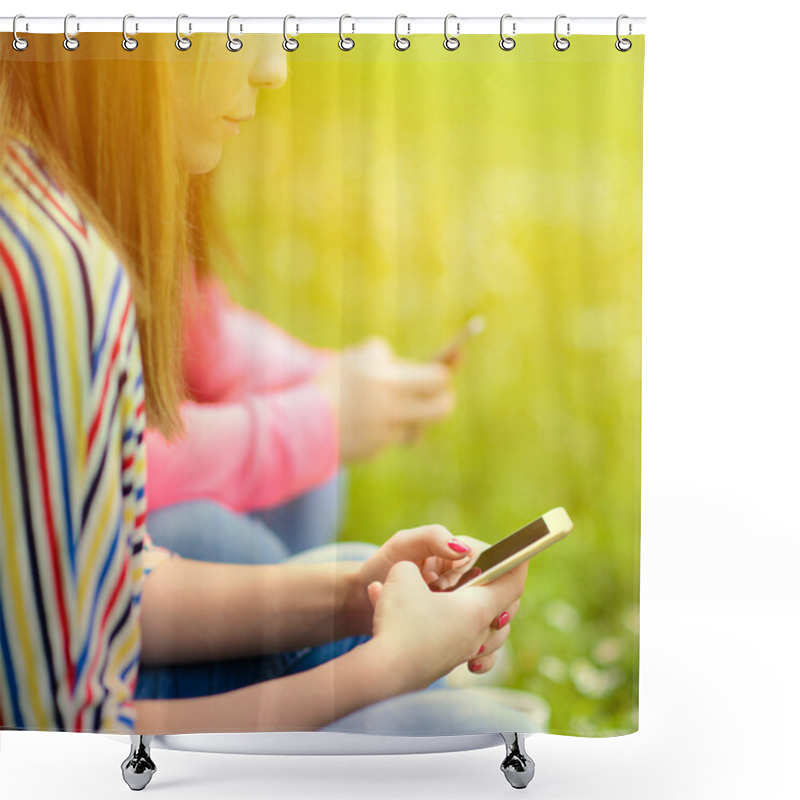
(406, 291)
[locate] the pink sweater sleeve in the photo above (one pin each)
(230, 351)
(258, 432)
(256, 452)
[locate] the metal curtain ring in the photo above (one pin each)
(623, 45)
(345, 42)
(400, 42)
(128, 42)
(290, 44)
(70, 42)
(506, 42)
(451, 42)
(18, 43)
(561, 44)
(234, 45)
(181, 42)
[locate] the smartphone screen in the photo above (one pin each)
(506, 548)
(518, 547)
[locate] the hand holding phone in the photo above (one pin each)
(516, 548)
(450, 355)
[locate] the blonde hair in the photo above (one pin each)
(100, 119)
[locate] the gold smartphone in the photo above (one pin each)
(448, 355)
(516, 548)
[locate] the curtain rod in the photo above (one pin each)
(408, 26)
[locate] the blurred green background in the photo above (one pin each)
(390, 193)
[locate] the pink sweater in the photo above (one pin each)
(258, 432)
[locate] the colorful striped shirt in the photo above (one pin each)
(73, 548)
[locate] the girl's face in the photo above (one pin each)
(215, 92)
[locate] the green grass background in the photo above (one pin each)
(394, 193)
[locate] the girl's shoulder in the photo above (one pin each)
(45, 235)
(24, 176)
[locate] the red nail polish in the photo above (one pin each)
(483, 647)
(502, 620)
(458, 547)
(475, 666)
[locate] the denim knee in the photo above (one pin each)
(339, 551)
(205, 530)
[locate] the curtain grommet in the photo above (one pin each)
(70, 42)
(561, 43)
(129, 43)
(346, 43)
(623, 45)
(451, 43)
(290, 44)
(401, 43)
(182, 42)
(19, 44)
(507, 42)
(233, 45)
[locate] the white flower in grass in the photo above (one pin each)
(630, 619)
(554, 669)
(591, 681)
(583, 726)
(562, 615)
(607, 651)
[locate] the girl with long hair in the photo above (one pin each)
(103, 158)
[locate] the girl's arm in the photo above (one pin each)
(194, 611)
(230, 351)
(419, 636)
(306, 701)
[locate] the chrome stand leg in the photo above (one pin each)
(518, 766)
(138, 768)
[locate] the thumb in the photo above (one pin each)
(376, 347)
(417, 544)
(374, 592)
(407, 575)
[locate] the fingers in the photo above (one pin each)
(435, 567)
(503, 592)
(403, 583)
(374, 592)
(432, 549)
(417, 409)
(418, 544)
(486, 656)
(374, 347)
(482, 663)
(407, 575)
(424, 393)
(422, 377)
(459, 573)
(503, 619)
(413, 413)
(426, 378)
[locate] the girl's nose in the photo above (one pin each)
(269, 70)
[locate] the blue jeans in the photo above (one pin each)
(206, 531)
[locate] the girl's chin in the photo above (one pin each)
(202, 159)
